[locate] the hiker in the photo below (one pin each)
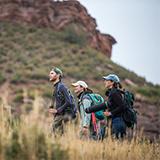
(92, 125)
(64, 108)
(115, 105)
(87, 123)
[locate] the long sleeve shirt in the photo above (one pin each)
(62, 99)
(114, 104)
(85, 102)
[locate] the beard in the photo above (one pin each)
(53, 79)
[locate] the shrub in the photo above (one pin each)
(58, 153)
(18, 98)
(38, 76)
(2, 78)
(41, 147)
(149, 92)
(74, 36)
(17, 78)
(13, 149)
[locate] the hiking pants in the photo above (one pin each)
(118, 127)
(59, 123)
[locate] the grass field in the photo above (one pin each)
(29, 137)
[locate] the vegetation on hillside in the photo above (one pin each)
(27, 53)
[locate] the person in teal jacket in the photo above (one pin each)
(86, 128)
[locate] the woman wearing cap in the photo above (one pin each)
(115, 105)
(81, 90)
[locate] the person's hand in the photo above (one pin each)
(52, 110)
(85, 131)
(107, 113)
(87, 110)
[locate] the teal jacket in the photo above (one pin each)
(84, 102)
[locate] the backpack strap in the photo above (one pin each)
(93, 119)
(57, 91)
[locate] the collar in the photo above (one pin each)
(56, 83)
(80, 94)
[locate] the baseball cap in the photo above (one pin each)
(112, 77)
(80, 83)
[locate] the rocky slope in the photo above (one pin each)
(148, 119)
(56, 15)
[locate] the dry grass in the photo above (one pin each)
(30, 137)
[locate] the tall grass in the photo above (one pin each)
(30, 138)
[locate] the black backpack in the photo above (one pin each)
(130, 114)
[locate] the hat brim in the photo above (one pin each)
(105, 78)
(75, 84)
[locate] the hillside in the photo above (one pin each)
(28, 52)
(56, 15)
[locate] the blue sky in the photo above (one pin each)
(135, 24)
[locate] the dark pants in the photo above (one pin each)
(59, 123)
(118, 127)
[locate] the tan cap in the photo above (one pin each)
(80, 83)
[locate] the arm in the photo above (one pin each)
(96, 108)
(86, 118)
(118, 102)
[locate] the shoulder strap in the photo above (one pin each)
(58, 91)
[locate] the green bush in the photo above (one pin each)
(47, 95)
(149, 92)
(38, 76)
(2, 78)
(13, 150)
(41, 147)
(18, 78)
(71, 35)
(18, 98)
(24, 149)
(58, 153)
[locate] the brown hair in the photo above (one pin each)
(117, 85)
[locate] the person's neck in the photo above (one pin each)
(56, 81)
(110, 87)
(79, 94)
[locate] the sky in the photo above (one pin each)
(135, 24)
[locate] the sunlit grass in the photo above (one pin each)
(30, 137)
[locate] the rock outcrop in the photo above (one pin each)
(56, 15)
(148, 119)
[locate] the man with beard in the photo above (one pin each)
(64, 109)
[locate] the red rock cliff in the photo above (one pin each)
(56, 15)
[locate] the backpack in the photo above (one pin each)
(96, 100)
(71, 99)
(130, 114)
